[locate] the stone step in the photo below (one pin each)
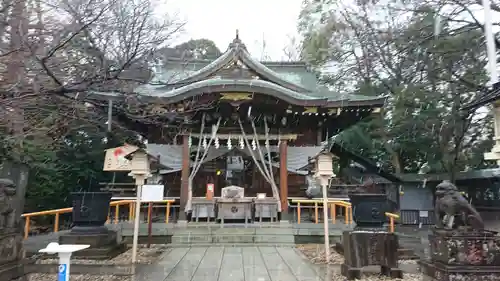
(197, 238)
(232, 239)
(232, 245)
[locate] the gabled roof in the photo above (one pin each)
(235, 71)
(489, 97)
(237, 51)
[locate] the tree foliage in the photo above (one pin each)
(202, 49)
(51, 54)
(428, 58)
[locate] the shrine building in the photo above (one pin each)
(236, 121)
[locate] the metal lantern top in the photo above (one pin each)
(324, 165)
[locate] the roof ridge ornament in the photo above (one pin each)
(236, 44)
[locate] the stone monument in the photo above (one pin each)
(369, 243)
(13, 181)
(460, 247)
(90, 212)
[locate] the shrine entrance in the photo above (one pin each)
(236, 122)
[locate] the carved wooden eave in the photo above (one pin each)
(160, 96)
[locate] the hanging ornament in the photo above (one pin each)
(214, 131)
(242, 143)
(190, 141)
(229, 146)
(254, 144)
(216, 143)
(205, 142)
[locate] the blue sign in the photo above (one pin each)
(62, 272)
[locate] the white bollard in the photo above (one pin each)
(64, 252)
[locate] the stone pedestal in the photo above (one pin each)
(90, 212)
(234, 209)
(267, 209)
(11, 253)
(364, 247)
(13, 182)
(103, 245)
(203, 208)
(466, 255)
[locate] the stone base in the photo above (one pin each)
(441, 272)
(364, 248)
(353, 273)
(465, 247)
(11, 271)
(403, 253)
(102, 246)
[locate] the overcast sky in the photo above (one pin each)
(272, 20)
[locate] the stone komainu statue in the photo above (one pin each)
(7, 204)
(452, 210)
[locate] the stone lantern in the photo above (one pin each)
(139, 166)
(323, 168)
(140, 170)
(323, 172)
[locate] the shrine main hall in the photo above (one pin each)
(235, 121)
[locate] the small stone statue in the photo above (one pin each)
(452, 210)
(7, 204)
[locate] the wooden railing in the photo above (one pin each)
(317, 203)
(391, 217)
(116, 204)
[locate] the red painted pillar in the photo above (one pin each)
(283, 180)
(184, 177)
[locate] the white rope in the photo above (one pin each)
(205, 153)
(262, 169)
(268, 151)
(191, 176)
(251, 152)
(198, 163)
(270, 173)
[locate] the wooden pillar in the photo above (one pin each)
(283, 180)
(184, 177)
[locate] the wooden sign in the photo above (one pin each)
(115, 160)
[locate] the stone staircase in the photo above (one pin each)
(236, 235)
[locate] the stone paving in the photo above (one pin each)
(254, 263)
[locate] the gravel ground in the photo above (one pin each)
(406, 277)
(316, 254)
(335, 277)
(76, 277)
(144, 256)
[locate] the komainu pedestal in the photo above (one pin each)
(90, 212)
(363, 248)
(465, 255)
(13, 182)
